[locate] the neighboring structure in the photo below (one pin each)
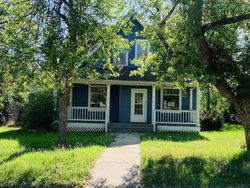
(132, 103)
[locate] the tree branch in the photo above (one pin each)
(161, 25)
(168, 15)
(225, 21)
(58, 11)
(225, 90)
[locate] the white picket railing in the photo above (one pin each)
(175, 116)
(86, 114)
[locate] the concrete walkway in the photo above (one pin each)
(119, 165)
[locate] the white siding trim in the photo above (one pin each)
(197, 106)
(153, 106)
(107, 108)
(126, 82)
(89, 95)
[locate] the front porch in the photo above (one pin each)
(127, 105)
(94, 119)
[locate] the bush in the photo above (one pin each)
(38, 112)
(211, 121)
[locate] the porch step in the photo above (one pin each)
(130, 127)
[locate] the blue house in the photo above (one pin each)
(132, 103)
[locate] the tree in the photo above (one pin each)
(17, 50)
(204, 40)
(71, 37)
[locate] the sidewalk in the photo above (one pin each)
(119, 165)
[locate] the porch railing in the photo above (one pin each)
(86, 114)
(175, 117)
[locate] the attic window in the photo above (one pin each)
(141, 48)
(122, 59)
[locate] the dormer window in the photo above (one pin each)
(141, 48)
(122, 60)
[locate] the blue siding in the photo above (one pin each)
(132, 36)
(149, 105)
(80, 95)
(114, 103)
(124, 104)
(194, 99)
(158, 99)
(185, 99)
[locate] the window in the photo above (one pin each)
(141, 48)
(98, 96)
(170, 99)
(138, 108)
(122, 59)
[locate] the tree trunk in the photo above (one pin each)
(63, 104)
(247, 134)
(243, 112)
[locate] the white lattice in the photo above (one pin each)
(85, 127)
(163, 128)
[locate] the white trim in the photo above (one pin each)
(132, 116)
(153, 106)
(178, 117)
(126, 82)
(180, 99)
(191, 99)
(89, 95)
(107, 107)
(161, 97)
(197, 106)
(178, 128)
(79, 113)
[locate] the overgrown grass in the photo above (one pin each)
(214, 159)
(33, 158)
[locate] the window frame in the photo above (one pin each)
(117, 63)
(136, 42)
(180, 99)
(89, 95)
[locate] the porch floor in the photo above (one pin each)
(130, 127)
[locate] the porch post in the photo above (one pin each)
(153, 107)
(107, 108)
(197, 106)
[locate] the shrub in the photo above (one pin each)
(211, 121)
(38, 112)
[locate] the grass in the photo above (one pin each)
(208, 159)
(33, 158)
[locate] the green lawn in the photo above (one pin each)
(33, 159)
(214, 159)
